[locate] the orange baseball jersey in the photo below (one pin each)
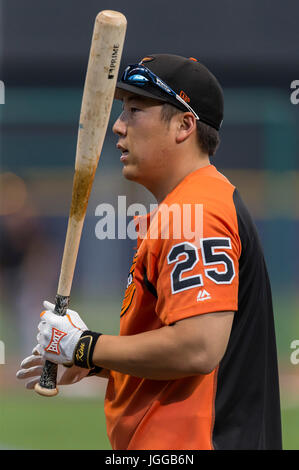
(187, 264)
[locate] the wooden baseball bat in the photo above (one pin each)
(103, 65)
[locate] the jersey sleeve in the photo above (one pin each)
(201, 276)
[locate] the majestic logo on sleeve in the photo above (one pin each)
(130, 289)
(203, 295)
(57, 336)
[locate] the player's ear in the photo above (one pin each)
(186, 125)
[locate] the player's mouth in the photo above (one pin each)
(124, 152)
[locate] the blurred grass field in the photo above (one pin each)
(34, 423)
(75, 420)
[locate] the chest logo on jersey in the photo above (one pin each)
(130, 289)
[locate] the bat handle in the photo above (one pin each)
(47, 384)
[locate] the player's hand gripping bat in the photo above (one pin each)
(104, 60)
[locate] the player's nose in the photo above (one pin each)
(119, 127)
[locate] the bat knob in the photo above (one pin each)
(45, 392)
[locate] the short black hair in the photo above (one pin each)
(208, 138)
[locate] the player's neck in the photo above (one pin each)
(177, 173)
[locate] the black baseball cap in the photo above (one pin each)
(189, 78)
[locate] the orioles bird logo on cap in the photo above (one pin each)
(146, 59)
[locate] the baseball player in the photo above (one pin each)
(195, 363)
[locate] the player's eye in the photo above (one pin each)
(130, 109)
(133, 109)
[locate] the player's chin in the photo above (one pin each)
(129, 172)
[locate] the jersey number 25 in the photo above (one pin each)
(210, 257)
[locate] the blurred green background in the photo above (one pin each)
(38, 130)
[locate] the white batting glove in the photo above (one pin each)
(58, 335)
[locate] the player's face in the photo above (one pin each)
(145, 141)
